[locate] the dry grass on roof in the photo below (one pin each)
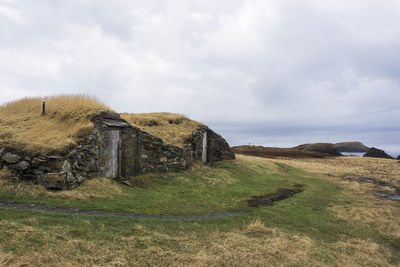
(173, 128)
(67, 117)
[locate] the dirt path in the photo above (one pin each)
(34, 207)
(270, 199)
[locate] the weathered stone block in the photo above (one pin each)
(37, 172)
(37, 161)
(10, 158)
(28, 177)
(21, 166)
(45, 168)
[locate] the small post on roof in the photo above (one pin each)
(44, 107)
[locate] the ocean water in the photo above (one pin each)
(360, 154)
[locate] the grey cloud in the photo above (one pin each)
(304, 68)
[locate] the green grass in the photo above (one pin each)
(227, 187)
(303, 222)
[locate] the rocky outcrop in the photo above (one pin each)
(351, 147)
(325, 148)
(377, 153)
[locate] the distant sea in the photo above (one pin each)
(360, 154)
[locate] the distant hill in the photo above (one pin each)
(273, 152)
(351, 147)
(326, 148)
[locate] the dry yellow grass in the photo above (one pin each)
(270, 248)
(12, 260)
(256, 226)
(62, 246)
(366, 208)
(22, 124)
(387, 170)
(99, 188)
(356, 252)
(68, 117)
(4, 173)
(381, 214)
(173, 128)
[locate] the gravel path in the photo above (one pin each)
(34, 207)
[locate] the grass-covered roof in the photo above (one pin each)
(23, 126)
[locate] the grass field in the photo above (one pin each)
(335, 221)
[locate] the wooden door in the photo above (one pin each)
(114, 154)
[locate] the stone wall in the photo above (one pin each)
(139, 152)
(114, 149)
(217, 147)
(54, 172)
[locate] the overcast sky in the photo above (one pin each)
(274, 73)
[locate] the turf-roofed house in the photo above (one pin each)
(77, 138)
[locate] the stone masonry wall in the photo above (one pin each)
(140, 153)
(55, 171)
(217, 147)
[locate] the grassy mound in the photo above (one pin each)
(173, 128)
(23, 126)
(67, 118)
(351, 147)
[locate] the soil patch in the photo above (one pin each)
(22, 206)
(385, 194)
(280, 194)
(380, 183)
(373, 181)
